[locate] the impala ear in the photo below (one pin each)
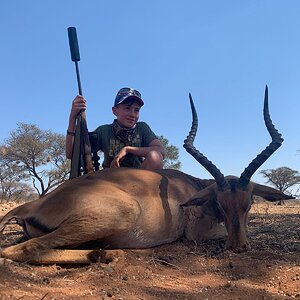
(201, 197)
(269, 193)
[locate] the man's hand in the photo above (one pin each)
(78, 104)
(118, 158)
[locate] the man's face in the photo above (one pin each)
(127, 113)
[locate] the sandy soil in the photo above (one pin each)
(182, 270)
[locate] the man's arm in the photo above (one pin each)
(78, 104)
(155, 145)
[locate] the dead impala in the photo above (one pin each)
(133, 208)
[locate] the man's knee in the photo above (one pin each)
(153, 161)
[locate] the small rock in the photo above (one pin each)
(46, 280)
(109, 269)
(125, 277)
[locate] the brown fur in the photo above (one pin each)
(129, 208)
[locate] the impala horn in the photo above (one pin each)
(265, 154)
(207, 164)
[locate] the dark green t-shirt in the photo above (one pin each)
(110, 145)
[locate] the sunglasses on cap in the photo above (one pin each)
(125, 91)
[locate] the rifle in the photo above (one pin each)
(81, 155)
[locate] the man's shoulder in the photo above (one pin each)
(103, 127)
(142, 125)
(104, 130)
(144, 129)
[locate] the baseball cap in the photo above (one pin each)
(126, 93)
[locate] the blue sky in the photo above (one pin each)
(223, 52)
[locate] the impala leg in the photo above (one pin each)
(77, 229)
(68, 235)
